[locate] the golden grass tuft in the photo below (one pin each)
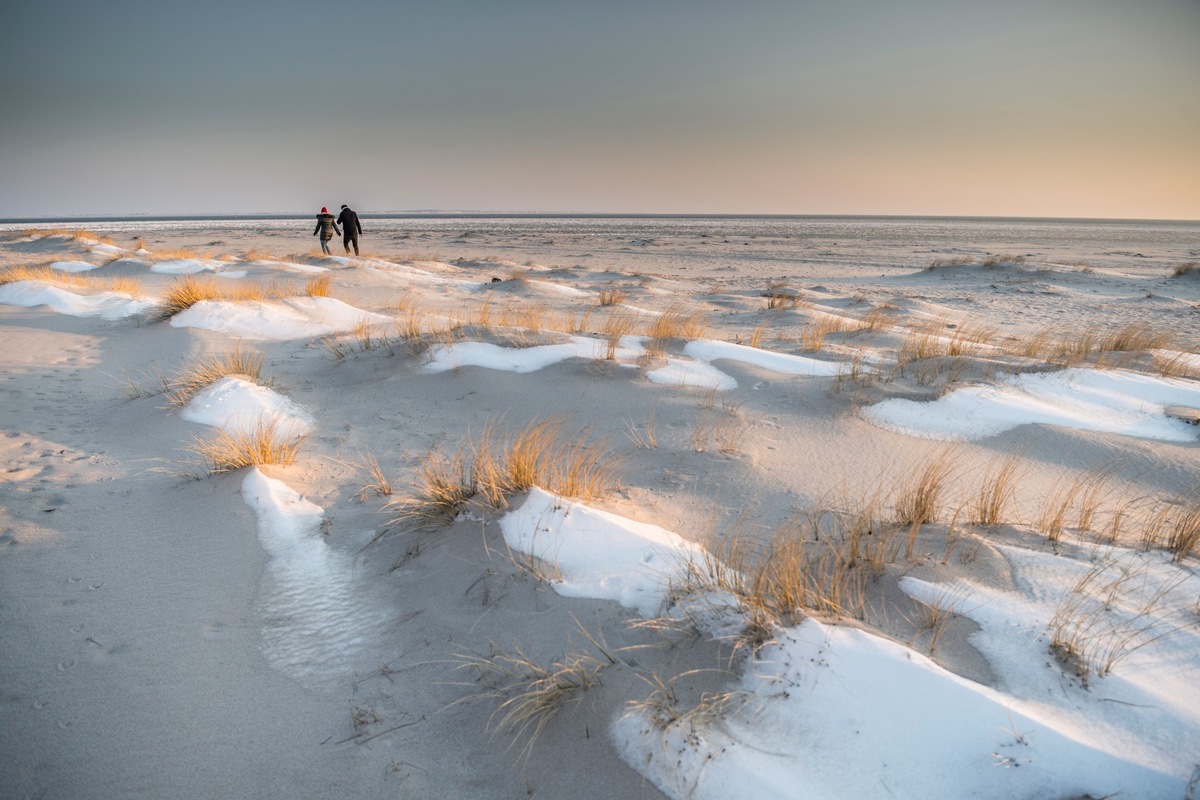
(540, 454)
(919, 495)
(16, 274)
(189, 290)
(996, 491)
(318, 287)
(781, 295)
(268, 441)
(1067, 348)
(123, 285)
(70, 233)
(676, 322)
(499, 465)
(1183, 532)
(611, 297)
(376, 482)
(1186, 268)
(178, 254)
(955, 261)
(202, 372)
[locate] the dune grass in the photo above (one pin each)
(268, 441)
(201, 372)
(611, 296)
(1107, 614)
(375, 479)
(70, 233)
(1068, 348)
(954, 261)
(540, 454)
(664, 709)
(996, 491)
(919, 495)
(781, 295)
(677, 322)
(189, 290)
(499, 464)
(532, 693)
(74, 280)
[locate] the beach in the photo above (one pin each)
(693, 507)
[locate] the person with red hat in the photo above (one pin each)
(326, 226)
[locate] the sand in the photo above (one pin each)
(272, 633)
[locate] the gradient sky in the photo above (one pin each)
(1079, 108)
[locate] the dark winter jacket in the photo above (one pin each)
(349, 220)
(326, 226)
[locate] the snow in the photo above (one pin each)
(292, 318)
(103, 249)
(836, 712)
(107, 305)
(1143, 595)
(235, 403)
(597, 554)
(291, 266)
(72, 266)
(681, 372)
(711, 350)
(676, 372)
(188, 266)
(322, 618)
(526, 359)
(1112, 401)
(700, 372)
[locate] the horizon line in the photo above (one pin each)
(480, 214)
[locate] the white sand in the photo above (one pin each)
(244, 635)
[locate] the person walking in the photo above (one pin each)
(350, 228)
(326, 227)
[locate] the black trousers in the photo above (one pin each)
(347, 238)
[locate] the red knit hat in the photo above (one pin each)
(324, 210)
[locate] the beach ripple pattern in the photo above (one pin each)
(315, 617)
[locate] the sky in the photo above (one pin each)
(1075, 108)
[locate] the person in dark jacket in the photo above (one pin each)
(326, 227)
(350, 228)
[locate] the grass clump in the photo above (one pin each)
(70, 233)
(498, 465)
(781, 295)
(1109, 613)
(665, 710)
(540, 454)
(1186, 268)
(919, 495)
(532, 693)
(268, 441)
(996, 492)
(376, 481)
(677, 323)
(202, 372)
(189, 290)
(75, 280)
(955, 261)
(611, 297)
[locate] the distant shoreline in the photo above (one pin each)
(133, 218)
